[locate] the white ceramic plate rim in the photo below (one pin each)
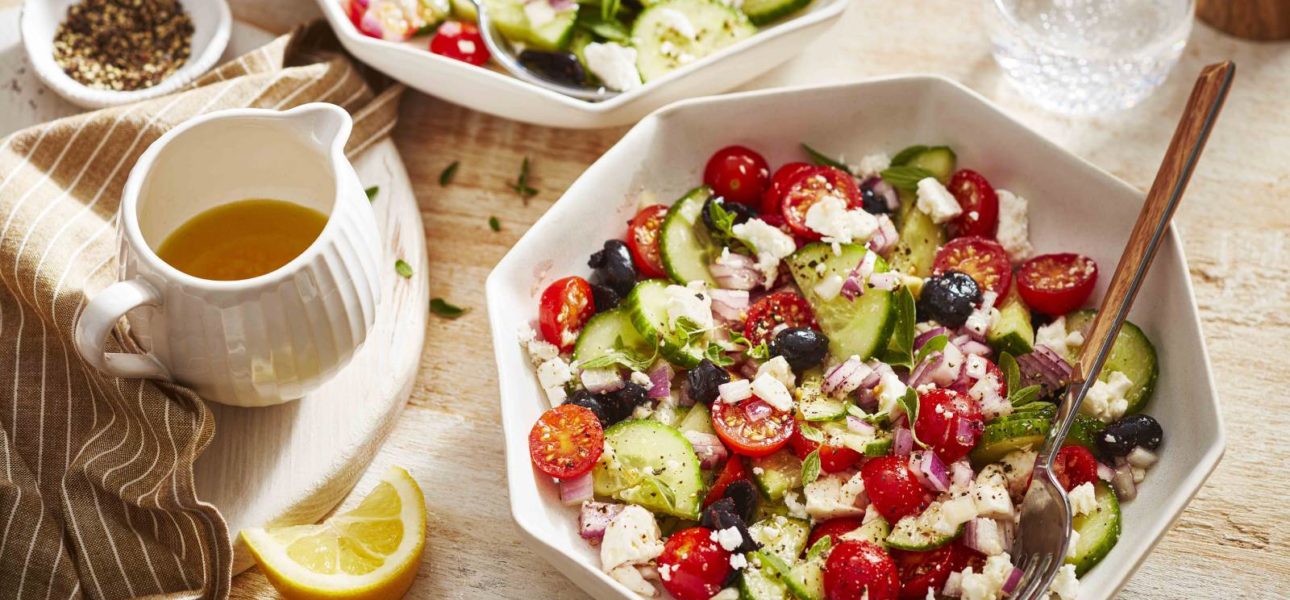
(829, 9)
(504, 341)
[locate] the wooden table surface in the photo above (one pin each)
(1234, 539)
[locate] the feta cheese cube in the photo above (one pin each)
(632, 579)
(1053, 335)
(832, 496)
(539, 13)
(1074, 543)
(773, 392)
(989, 539)
(736, 391)
(729, 538)
(889, 391)
(606, 379)
(689, 303)
(614, 64)
(779, 369)
(730, 593)
(632, 538)
(1082, 499)
(796, 508)
(1013, 232)
(951, 365)
(540, 351)
(552, 376)
(676, 21)
(873, 164)
(957, 511)
(1105, 400)
(771, 245)
(1066, 584)
(1141, 457)
(936, 201)
(641, 379)
(976, 366)
(829, 287)
(835, 223)
(737, 562)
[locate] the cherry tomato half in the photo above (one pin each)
(858, 569)
(773, 200)
(983, 260)
(923, 571)
(643, 239)
(566, 441)
(1074, 466)
(460, 41)
(833, 459)
(774, 311)
(695, 565)
(752, 427)
(564, 309)
(949, 422)
(835, 529)
(1055, 284)
(733, 471)
(892, 488)
(737, 174)
(811, 186)
(979, 202)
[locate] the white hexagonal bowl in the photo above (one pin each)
(495, 92)
(1074, 206)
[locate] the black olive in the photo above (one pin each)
(802, 347)
(591, 402)
(703, 381)
(721, 515)
(1121, 437)
(873, 201)
(619, 404)
(605, 297)
(614, 267)
(949, 298)
(745, 496)
(741, 212)
(560, 67)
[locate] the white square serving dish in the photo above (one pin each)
(497, 93)
(1074, 206)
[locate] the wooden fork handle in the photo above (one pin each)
(1180, 160)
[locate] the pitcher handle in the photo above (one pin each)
(97, 321)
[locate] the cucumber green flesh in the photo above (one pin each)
(784, 537)
(857, 327)
(716, 26)
(699, 419)
(1027, 430)
(761, 12)
(937, 159)
(874, 532)
(821, 408)
(920, 238)
(647, 305)
(915, 532)
(464, 10)
(867, 444)
(684, 244)
(759, 583)
(639, 443)
(779, 473)
(1133, 354)
(513, 22)
(1012, 333)
(1098, 531)
(806, 582)
(607, 331)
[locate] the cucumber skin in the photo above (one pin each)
(761, 12)
(1099, 532)
(1012, 333)
(789, 541)
(899, 540)
(1122, 353)
(781, 472)
(940, 160)
(690, 462)
(588, 346)
(920, 238)
(674, 218)
(843, 342)
(1019, 430)
(683, 356)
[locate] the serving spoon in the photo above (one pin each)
(502, 52)
(1045, 525)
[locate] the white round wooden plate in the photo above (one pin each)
(291, 463)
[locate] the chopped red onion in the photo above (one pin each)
(949, 368)
(929, 470)
(853, 287)
(846, 377)
(595, 518)
(885, 237)
(576, 490)
(902, 442)
(758, 410)
(953, 585)
(1125, 489)
(735, 272)
(729, 305)
(1010, 584)
(735, 391)
(883, 190)
(660, 378)
(1044, 367)
(748, 369)
(708, 447)
(858, 425)
(884, 281)
(923, 372)
(559, 5)
(961, 473)
(926, 336)
(865, 399)
(974, 347)
(967, 431)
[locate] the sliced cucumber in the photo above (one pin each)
(814, 404)
(857, 327)
(920, 238)
(784, 537)
(514, 23)
(760, 583)
(1012, 332)
(651, 464)
(609, 331)
(937, 159)
(683, 241)
(761, 12)
(661, 49)
(1133, 354)
(464, 10)
(1027, 430)
(868, 444)
(699, 420)
(806, 581)
(874, 532)
(916, 532)
(647, 305)
(1098, 530)
(776, 474)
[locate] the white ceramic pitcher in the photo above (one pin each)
(258, 341)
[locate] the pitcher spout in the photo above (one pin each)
(326, 124)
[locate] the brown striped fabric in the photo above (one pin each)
(96, 473)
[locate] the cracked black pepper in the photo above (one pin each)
(123, 44)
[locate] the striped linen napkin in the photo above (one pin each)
(96, 473)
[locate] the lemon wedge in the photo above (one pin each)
(372, 551)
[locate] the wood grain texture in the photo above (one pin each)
(1233, 540)
(1265, 20)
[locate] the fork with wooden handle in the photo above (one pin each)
(1045, 512)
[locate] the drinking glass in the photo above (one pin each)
(1088, 56)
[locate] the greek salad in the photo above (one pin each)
(620, 45)
(830, 382)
